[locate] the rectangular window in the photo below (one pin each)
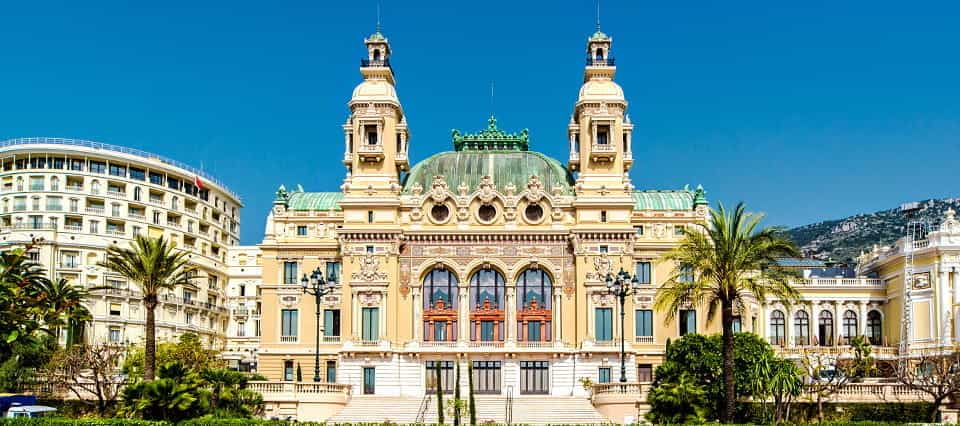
(173, 183)
(370, 322)
(189, 318)
(76, 165)
(487, 377)
(289, 319)
(638, 230)
(604, 249)
(333, 272)
(486, 331)
(686, 274)
(643, 273)
(137, 174)
(644, 373)
(289, 272)
(54, 204)
(533, 331)
(602, 135)
(114, 334)
(603, 376)
(98, 167)
(36, 183)
(371, 132)
(302, 231)
(440, 331)
(737, 324)
(688, 321)
(331, 322)
(241, 329)
(94, 227)
(118, 170)
(288, 371)
(644, 323)
(603, 324)
(534, 377)
(446, 376)
(678, 230)
(369, 380)
(115, 309)
(331, 371)
(156, 178)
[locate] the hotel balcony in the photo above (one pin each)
(603, 152)
(840, 351)
(370, 152)
(859, 283)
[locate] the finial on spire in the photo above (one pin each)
(491, 100)
(598, 15)
(378, 16)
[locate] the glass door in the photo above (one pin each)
(369, 380)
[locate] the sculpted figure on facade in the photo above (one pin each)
(369, 269)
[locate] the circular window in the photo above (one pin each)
(440, 213)
(487, 213)
(533, 213)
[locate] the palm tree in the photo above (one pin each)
(155, 265)
(64, 303)
(732, 259)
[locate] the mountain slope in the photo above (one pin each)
(843, 239)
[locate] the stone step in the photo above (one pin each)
(526, 410)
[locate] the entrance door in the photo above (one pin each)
(369, 380)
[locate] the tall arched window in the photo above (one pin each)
(440, 305)
(95, 187)
(826, 328)
(778, 326)
(54, 183)
(849, 326)
(801, 328)
(376, 54)
(874, 328)
(486, 305)
(534, 315)
(598, 55)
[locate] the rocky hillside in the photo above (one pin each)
(843, 239)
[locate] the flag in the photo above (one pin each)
(197, 182)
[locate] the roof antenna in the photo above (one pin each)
(378, 16)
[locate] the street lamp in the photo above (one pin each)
(318, 287)
(622, 285)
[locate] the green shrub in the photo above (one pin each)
(54, 421)
(865, 414)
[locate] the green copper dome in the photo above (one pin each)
(490, 152)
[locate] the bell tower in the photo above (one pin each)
(375, 135)
(599, 130)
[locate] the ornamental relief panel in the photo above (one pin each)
(369, 269)
(369, 298)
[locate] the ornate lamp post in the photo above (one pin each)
(318, 287)
(622, 285)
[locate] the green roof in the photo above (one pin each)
(663, 200)
(491, 138)
(504, 167)
(314, 201)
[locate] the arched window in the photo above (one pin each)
(19, 184)
(801, 328)
(778, 325)
(486, 305)
(175, 202)
(849, 326)
(137, 193)
(376, 54)
(534, 315)
(874, 328)
(54, 183)
(826, 328)
(440, 305)
(95, 187)
(598, 55)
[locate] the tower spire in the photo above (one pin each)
(598, 16)
(492, 109)
(378, 17)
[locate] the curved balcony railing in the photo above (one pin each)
(601, 62)
(375, 63)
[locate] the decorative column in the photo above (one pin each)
(788, 332)
(510, 311)
(417, 313)
(862, 318)
(555, 313)
(956, 303)
(463, 315)
(355, 314)
(815, 324)
(837, 323)
(944, 314)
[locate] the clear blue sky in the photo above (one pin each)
(808, 111)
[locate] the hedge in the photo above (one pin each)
(863, 413)
(58, 421)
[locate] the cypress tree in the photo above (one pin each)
(439, 394)
(473, 404)
(456, 397)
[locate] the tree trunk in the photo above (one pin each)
(729, 386)
(150, 346)
(819, 408)
(935, 408)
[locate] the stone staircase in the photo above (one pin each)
(532, 410)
